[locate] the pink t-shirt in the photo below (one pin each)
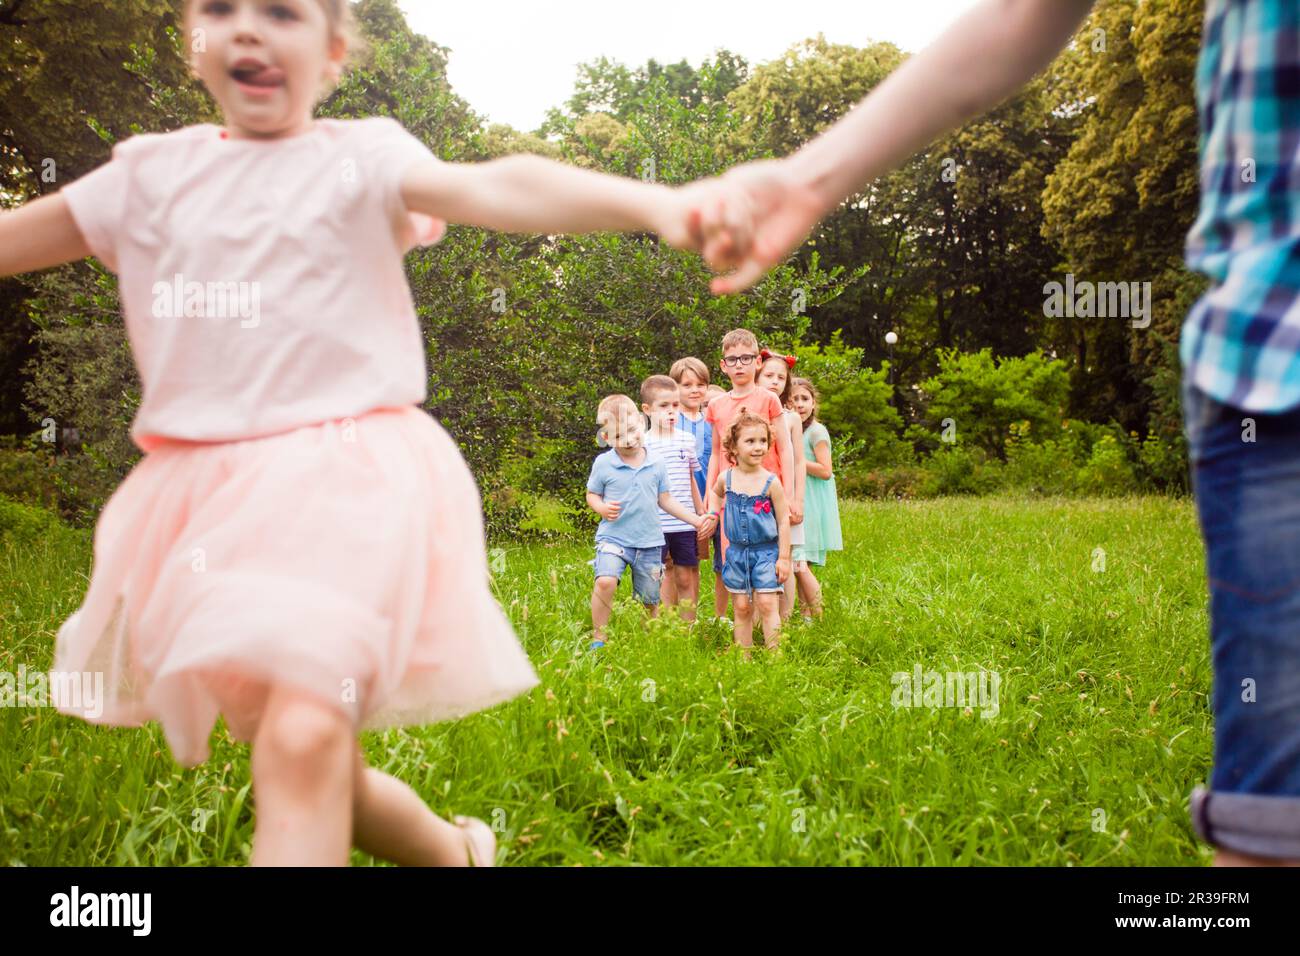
(261, 281)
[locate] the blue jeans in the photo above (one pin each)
(1248, 501)
(646, 563)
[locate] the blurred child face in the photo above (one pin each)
(738, 362)
(712, 392)
(773, 375)
(802, 401)
(627, 432)
(751, 446)
(264, 61)
(692, 392)
(665, 410)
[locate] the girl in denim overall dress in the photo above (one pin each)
(758, 521)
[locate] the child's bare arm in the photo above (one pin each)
(782, 510)
(715, 460)
(39, 235)
(597, 504)
(527, 193)
(821, 468)
(800, 463)
(669, 504)
(783, 449)
(978, 62)
(984, 57)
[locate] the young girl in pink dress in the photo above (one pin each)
(301, 547)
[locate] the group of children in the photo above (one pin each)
(747, 469)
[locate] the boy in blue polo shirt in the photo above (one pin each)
(627, 487)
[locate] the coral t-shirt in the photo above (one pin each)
(261, 280)
(724, 408)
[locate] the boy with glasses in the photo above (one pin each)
(740, 363)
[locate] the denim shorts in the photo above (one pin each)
(1246, 477)
(751, 569)
(647, 567)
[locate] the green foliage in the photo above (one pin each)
(980, 397)
(855, 403)
(1107, 471)
(960, 470)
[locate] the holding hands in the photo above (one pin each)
(754, 216)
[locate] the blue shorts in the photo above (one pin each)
(751, 569)
(681, 547)
(1248, 502)
(647, 567)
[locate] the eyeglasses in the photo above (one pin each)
(731, 361)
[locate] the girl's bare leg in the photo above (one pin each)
(720, 596)
(302, 781)
(392, 822)
(786, 602)
(769, 610)
(744, 620)
(810, 592)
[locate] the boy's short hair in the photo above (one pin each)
(655, 384)
(739, 337)
(689, 364)
(614, 410)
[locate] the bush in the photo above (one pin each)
(902, 481)
(1162, 465)
(959, 470)
(855, 403)
(24, 524)
(981, 397)
(1108, 471)
(27, 473)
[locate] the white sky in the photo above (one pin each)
(514, 59)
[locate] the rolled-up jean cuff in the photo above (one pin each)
(1252, 823)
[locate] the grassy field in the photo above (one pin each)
(664, 748)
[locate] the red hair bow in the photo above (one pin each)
(765, 355)
(762, 506)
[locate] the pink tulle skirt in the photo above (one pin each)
(344, 559)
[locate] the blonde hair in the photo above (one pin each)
(689, 364)
(739, 337)
(614, 410)
(343, 22)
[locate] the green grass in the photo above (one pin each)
(664, 748)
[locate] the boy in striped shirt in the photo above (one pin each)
(660, 400)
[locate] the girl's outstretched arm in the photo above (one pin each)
(527, 193)
(39, 235)
(984, 57)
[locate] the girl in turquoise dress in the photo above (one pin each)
(821, 518)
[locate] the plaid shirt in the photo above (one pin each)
(1241, 341)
